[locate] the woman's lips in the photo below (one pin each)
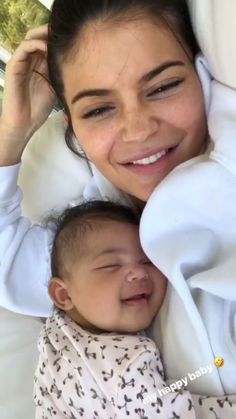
(147, 169)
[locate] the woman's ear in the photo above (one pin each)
(66, 119)
(58, 292)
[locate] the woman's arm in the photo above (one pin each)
(28, 98)
(24, 253)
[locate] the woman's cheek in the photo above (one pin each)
(87, 139)
(191, 113)
(97, 143)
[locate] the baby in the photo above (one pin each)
(93, 362)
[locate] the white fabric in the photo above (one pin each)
(214, 24)
(18, 356)
(51, 175)
(24, 253)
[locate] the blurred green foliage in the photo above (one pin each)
(16, 17)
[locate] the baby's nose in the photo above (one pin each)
(136, 274)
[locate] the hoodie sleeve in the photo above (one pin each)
(24, 253)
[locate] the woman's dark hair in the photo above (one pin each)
(69, 17)
(74, 224)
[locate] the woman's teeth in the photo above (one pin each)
(151, 159)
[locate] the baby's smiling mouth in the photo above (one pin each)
(139, 298)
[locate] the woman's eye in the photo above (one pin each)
(98, 112)
(165, 89)
(146, 262)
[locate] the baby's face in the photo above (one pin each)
(114, 287)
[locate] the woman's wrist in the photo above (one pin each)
(12, 145)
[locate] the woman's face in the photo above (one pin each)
(136, 103)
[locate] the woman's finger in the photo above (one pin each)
(25, 49)
(41, 32)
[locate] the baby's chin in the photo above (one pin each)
(131, 328)
(122, 324)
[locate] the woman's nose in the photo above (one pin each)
(139, 126)
(136, 273)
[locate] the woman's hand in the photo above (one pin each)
(28, 98)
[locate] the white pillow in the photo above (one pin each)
(51, 175)
(214, 22)
(18, 356)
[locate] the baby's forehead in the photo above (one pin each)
(104, 225)
(112, 229)
(112, 237)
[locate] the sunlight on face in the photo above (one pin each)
(136, 103)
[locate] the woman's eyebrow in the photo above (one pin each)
(90, 92)
(156, 71)
(145, 78)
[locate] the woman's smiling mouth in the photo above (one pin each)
(153, 163)
(151, 159)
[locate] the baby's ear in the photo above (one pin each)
(57, 290)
